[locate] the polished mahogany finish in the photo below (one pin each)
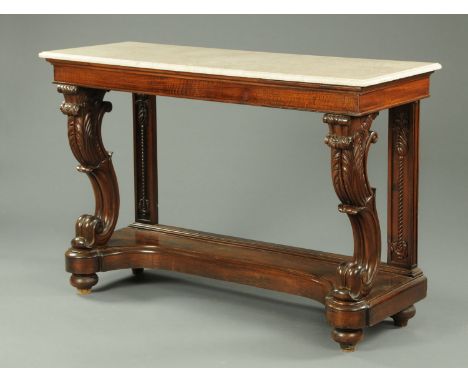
(145, 158)
(403, 161)
(350, 100)
(357, 291)
(283, 268)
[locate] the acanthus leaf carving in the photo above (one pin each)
(85, 109)
(350, 139)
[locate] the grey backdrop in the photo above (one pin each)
(244, 171)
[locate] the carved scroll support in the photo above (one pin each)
(350, 139)
(403, 151)
(85, 109)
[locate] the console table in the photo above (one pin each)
(358, 290)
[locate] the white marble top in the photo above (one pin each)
(241, 63)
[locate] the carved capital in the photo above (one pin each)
(337, 119)
(350, 139)
(85, 109)
(67, 89)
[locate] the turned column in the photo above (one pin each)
(85, 109)
(350, 139)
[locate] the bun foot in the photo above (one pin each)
(401, 318)
(84, 283)
(347, 338)
(138, 271)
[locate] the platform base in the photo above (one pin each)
(297, 271)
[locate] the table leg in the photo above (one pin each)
(85, 109)
(145, 161)
(403, 152)
(145, 158)
(350, 139)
